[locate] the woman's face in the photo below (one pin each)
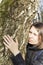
(33, 36)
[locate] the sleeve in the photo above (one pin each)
(38, 61)
(18, 60)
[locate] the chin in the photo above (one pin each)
(32, 43)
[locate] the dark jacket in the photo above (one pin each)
(34, 56)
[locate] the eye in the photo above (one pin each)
(33, 33)
(30, 32)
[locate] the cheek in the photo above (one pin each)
(35, 38)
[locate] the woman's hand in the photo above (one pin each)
(11, 44)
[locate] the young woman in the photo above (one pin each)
(34, 54)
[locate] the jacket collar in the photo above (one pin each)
(32, 47)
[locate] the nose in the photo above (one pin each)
(30, 35)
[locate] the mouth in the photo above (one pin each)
(30, 39)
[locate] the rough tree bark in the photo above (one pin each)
(15, 19)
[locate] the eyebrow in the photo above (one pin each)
(33, 33)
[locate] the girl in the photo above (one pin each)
(34, 54)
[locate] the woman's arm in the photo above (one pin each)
(13, 47)
(18, 59)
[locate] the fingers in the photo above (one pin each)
(5, 40)
(5, 44)
(9, 41)
(9, 37)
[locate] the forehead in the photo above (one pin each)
(34, 30)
